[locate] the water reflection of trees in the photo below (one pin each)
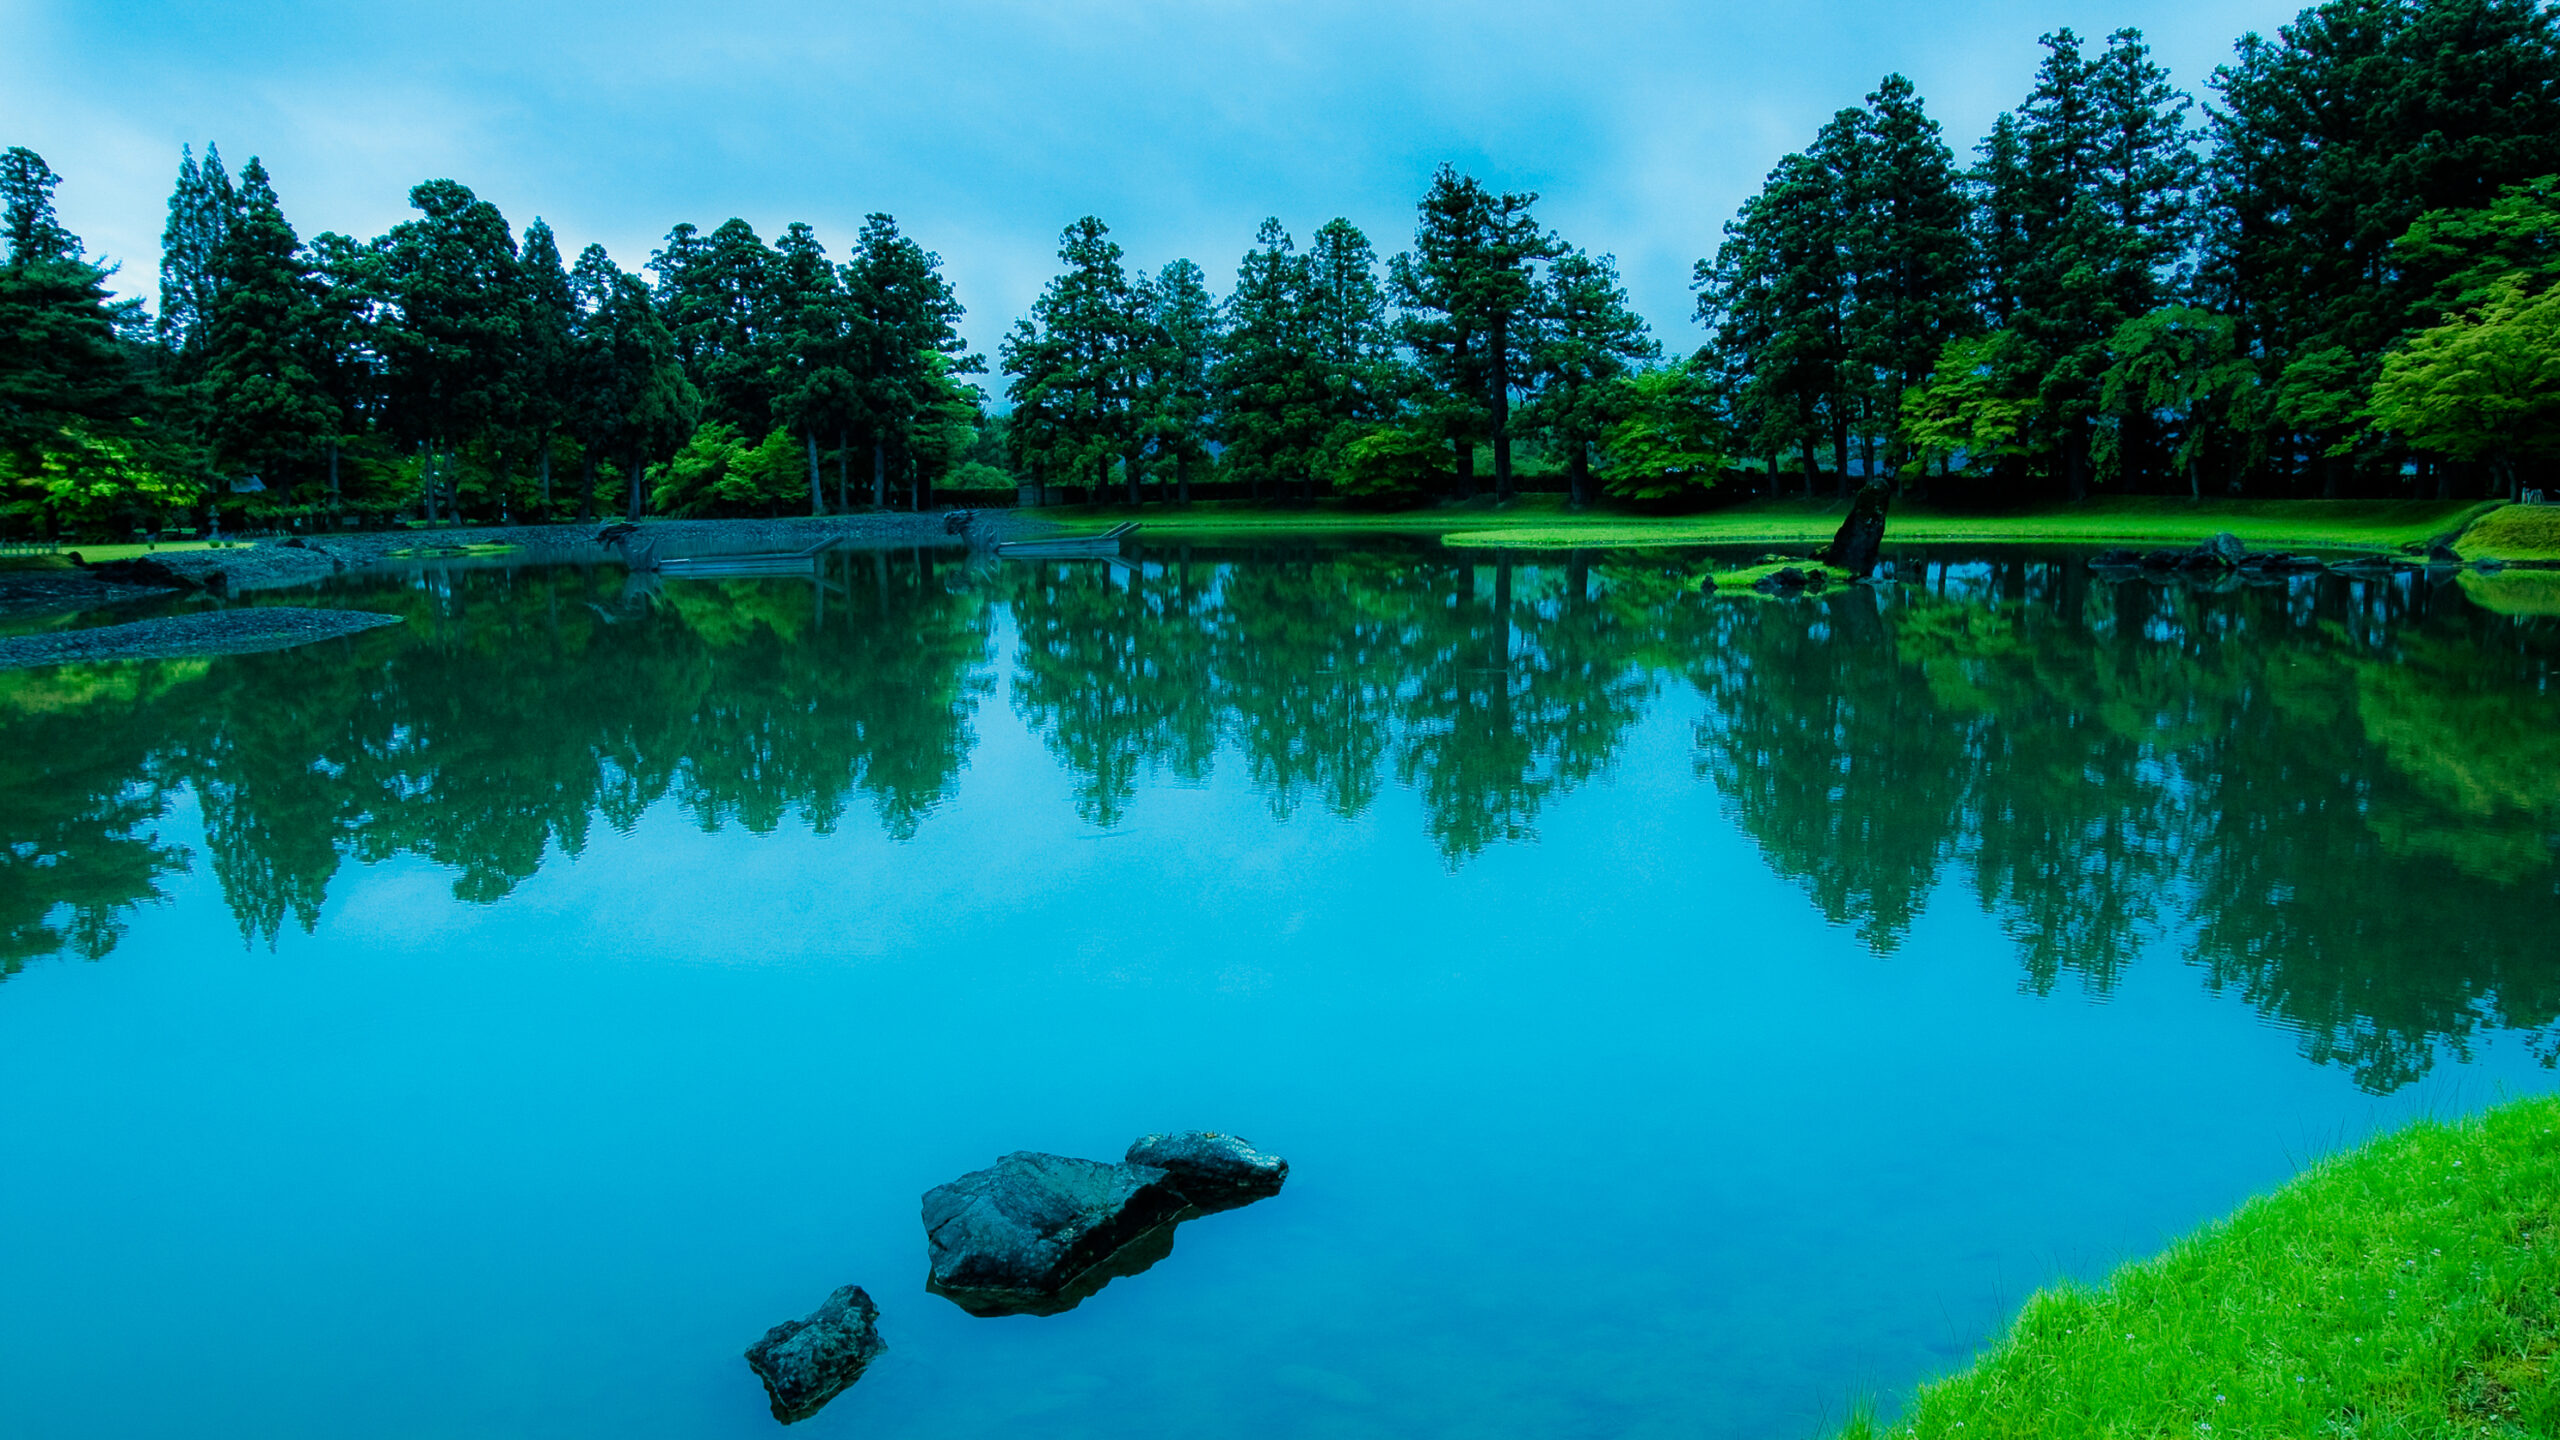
(1486, 688)
(516, 709)
(2342, 801)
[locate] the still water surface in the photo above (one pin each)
(1683, 1016)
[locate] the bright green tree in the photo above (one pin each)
(2483, 387)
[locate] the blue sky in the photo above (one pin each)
(985, 127)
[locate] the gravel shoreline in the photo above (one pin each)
(305, 560)
(240, 631)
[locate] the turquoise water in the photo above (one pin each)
(1683, 1016)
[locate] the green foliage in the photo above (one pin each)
(2404, 1288)
(93, 479)
(267, 411)
(2466, 253)
(1391, 465)
(1663, 447)
(718, 472)
(2481, 387)
(1585, 342)
(1978, 406)
(2182, 362)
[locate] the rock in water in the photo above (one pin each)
(1021, 1231)
(1212, 1171)
(2224, 549)
(1861, 536)
(806, 1363)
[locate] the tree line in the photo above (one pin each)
(2335, 278)
(449, 367)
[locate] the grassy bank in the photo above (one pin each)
(2409, 1288)
(2514, 532)
(1543, 521)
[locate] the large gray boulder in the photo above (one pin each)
(1212, 1171)
(806, 1363)
(1021, 1232)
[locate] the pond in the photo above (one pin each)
(1683, 1016)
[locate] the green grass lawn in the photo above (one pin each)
(2406, 1289)
(1543, 521)
(2513, 532)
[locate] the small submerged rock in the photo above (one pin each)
(1035, 1234)
(806, 1363)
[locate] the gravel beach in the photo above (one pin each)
(212, 632)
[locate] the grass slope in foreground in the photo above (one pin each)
(2409, 1288)
(1543, 521)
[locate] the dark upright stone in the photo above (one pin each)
(1854, 547)
(806, 1363)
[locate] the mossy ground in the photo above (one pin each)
(2407, 1289)
(1545, 522)
(96, 554)
(2513, 532)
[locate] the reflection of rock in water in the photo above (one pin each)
(1035, 1234)
(806, 1363)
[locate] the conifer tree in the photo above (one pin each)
(455, 319)
(1357, 381)
(1071, 363)
(1180, 399)
(903, 329)
(544, 348)
(267, 409)
(1270, 386)
(1585, 344)
(202, 209)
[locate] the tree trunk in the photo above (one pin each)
(1812, 471)
(844, 471)
(1129, 472)
(634, 515)
(1840, 452)
(1577, 466)
(1466, 467)
(1182, 475)
(427, 482)
(879, 475)
(919, 489)
(333, 472)
(546, 477)
(2075, 462)
(587, 494)
(817, 483)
